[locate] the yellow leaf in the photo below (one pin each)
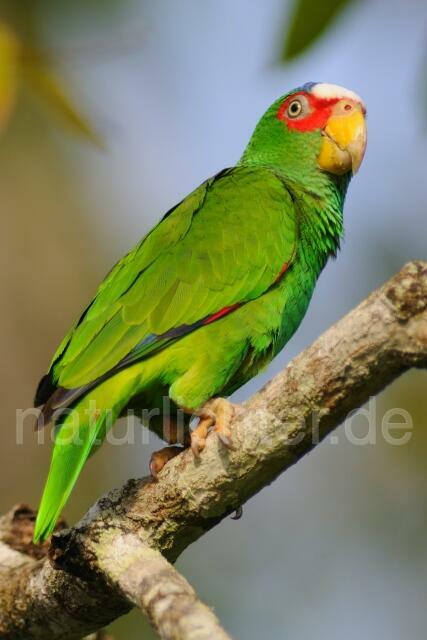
(48, 86)
(9, 71)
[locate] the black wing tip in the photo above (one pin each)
(45, 390)
(51, 408)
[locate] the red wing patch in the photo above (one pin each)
(226, 310)
(222, 312)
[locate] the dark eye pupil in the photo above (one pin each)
(294, 108)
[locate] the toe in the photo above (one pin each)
(224, 416)
(160, 458)
(197, 444)
(199, 435)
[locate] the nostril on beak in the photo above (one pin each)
(348, 107)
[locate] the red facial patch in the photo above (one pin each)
(319, 111)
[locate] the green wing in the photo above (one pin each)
(226, 243)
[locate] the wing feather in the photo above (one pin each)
(225, 244)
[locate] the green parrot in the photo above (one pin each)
(210, 295)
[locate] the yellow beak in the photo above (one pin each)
(344, 139)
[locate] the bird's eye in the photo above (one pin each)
(294, 109)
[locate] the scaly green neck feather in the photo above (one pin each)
(320, 220)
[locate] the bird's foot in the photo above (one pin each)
(160, 458)
(217, 415)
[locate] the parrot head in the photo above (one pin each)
(317, 131)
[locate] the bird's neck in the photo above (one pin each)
(318, 196)
(320, 218)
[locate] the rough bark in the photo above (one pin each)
(151, 583)
(89, 578)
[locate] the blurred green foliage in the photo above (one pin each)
(310, 19)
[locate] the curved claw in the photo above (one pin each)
(225, 437)
(238, 513)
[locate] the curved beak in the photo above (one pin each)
(344, 139)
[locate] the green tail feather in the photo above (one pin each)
(71, 451)
(79, 433)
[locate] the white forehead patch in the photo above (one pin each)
(331, 91)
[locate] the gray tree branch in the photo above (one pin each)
(111, 559)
